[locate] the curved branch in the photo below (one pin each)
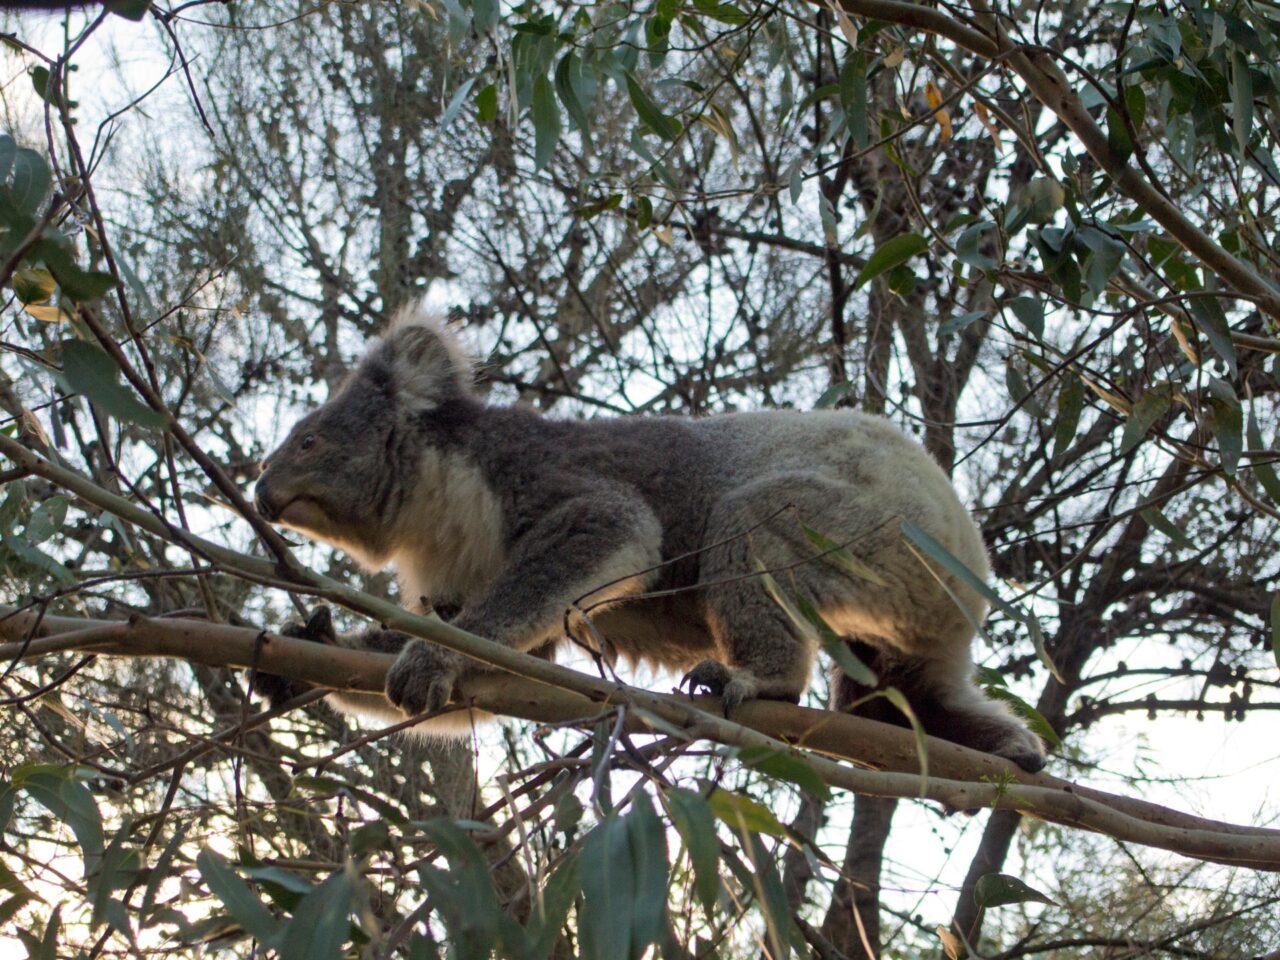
(885, 755)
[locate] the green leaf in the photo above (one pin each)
(763, 880)
(484, 14)
(785, 765)
(455, 103)
(998, 889)
(1118, 138)
(608, 891)
(1030, 313)
(33, 284)
(129, 9)
(242, 904)
(742, 813)
(899, 700)
(850, 663)
(8, 151)
(30, 180)
(1226, 420)
(832, 394)
(576, 89)
(967, 246)
(668, 128)
(890, 254)
(842, 558)
(648, 843)
(1041, 648)
(59, 791)
(954, 325)
(1241, 99)
(1160, 522)
(33, 557)
(1150, 407)
(40, 80)
(1264, 471)
(692, 818)
(1211, 320)
(546, 122)
(487, 104)
(91, 373)
(992, 683)
(1070, 406)
(46, 519)
(548, 914)
(943, 556)
(319, 926)
(853, 99)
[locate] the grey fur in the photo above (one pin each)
(513, 518)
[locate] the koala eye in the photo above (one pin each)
(308, 441)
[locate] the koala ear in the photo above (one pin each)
(427, 362)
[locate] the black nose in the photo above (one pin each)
(262, 499)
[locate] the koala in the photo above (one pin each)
(643, 538)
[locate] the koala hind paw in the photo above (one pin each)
(277, 690)
(423, 677)
(712, 676)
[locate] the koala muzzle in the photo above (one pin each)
(262, 500)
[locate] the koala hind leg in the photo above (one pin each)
(945, 700)
(760, 651)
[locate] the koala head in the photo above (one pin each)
(346, 469)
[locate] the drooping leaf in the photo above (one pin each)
(943, 556)
(842, 557)
(648, 842)
(785, 765)
(693, 819)
(1030, 313)
(546, 122)
(889, 254)
(853, 98)
(455, 103)
(1070, 406)
(92, 373)
(608, 891)
(319, 926)
(241, 902)
(30, 180)
(1241, 100)
(59, 790)
(549, 913)
(668, 128)
(1262, 469)
(998, 889)
(1212, 321)
(1151, 406)
(743, 813)
(1226, 420)
(899, 700)
(1275, 628)
(565, 70)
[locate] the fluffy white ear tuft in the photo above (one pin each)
(427, 359)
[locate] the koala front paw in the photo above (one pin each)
(423, 677)
(277, 690)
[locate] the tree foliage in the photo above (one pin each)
(1040, 237)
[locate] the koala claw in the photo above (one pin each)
(709, 675)
(423, 677)
(731, 686)
(319, 629)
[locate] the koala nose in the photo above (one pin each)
(262, 499)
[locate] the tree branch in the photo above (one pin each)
(886, 755)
